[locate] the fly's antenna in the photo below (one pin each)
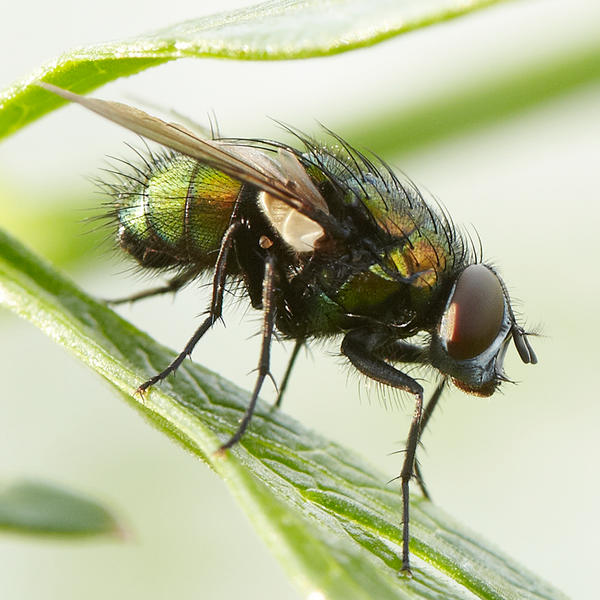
(479, 250)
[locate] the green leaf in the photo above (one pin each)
(277, 30)
(326, 514)
(39, 508)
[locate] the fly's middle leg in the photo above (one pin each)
(264, 362)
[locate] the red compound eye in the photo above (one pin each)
(475, 313)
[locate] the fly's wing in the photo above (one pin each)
(282, 178)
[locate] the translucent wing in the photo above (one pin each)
(282, 176)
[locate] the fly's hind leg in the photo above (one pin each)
(360, 347)
(173, 285)
(214, 313)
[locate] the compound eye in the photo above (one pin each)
(474, 314)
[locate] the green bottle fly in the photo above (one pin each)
(327, 243)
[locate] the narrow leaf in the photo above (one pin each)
(39, 508)
(276, 30)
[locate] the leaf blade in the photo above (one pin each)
(276, 30)
(43, 509)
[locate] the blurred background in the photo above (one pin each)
(519, 468)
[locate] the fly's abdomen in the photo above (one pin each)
(175, 212)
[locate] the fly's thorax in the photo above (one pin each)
(310, 313)
(411, 251)
(470, 340)
(403, 285)
(176, 213)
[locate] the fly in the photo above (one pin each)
(326, 242)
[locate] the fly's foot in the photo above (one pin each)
(405, 572)
(220, 453)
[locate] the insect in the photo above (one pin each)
(326, 242)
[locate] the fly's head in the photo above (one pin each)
(475, 330)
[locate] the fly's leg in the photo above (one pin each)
(265, 352)
(286, 377)
(173, 285)
(358, 346)
(214, 313)
(407, 472)
(421, 481)
(401, 351)
(398, 351)
(427, 412)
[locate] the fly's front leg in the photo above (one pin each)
(405, 352)
(215, 311)
(359, 346)
(429, 408)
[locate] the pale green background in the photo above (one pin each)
(520, 468)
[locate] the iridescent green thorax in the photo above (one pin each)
(176, 213)
(399, 262)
